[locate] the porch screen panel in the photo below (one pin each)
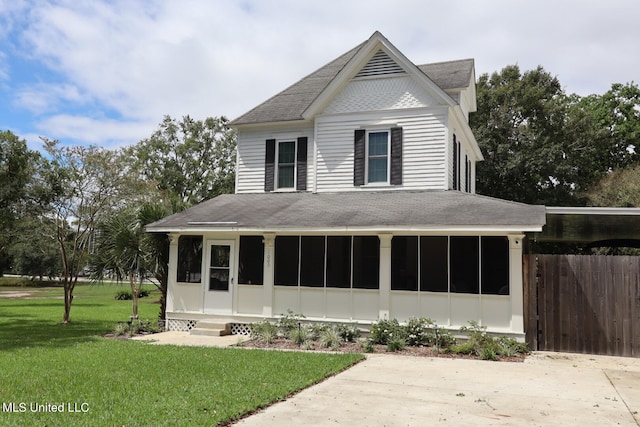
(338, 261)
(286, 260)
(404, 263)
(366, 262)
(434, 267)
(251, 261)
(464, 259)
(312, 261)
(495, 265)
(189, 259)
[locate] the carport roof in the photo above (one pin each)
(355, 210)
(590, 225)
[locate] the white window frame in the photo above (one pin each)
(277, 165)
(366, 154)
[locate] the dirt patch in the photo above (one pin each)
(16, 294)
(284, 344)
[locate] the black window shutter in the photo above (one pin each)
(269, 167)
(396, 156)
(455, 163)
(301, 160)
(359, 160)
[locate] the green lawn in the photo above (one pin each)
(103, 382)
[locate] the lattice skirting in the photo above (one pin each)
(240, 329)
(180, 324)
(187, 325)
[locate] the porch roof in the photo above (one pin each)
(355, 210)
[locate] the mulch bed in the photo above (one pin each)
(284, 344)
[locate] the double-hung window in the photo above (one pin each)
(286, 164)
(378, 157)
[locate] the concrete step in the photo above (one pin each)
(211, 328)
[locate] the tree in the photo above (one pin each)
(120, 250)
(83, 185)
(123, 248)
(519, 127)
(620, 188)
(32, 250)
(18, 166)
(189, 160)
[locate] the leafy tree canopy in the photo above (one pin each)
(544, 146)
(189, 160)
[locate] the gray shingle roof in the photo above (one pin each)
(381, 209)
(292, 102)
(450, 74)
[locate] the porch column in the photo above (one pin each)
(516, 283)
(385, 275)
(172, 272)
(268, 270)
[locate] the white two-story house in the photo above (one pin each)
(355, 201)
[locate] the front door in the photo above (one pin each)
(219, 277)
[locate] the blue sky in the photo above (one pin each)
(106, 72)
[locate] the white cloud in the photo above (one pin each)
(142, 60)
(45, 97)
(106, 133)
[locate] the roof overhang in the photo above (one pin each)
(590, 224)
(356, 212)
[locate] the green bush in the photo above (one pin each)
(264, 331)
(396, 344)
(384, 331)
(125, 295)
(288, 323)
(300, 334)
(419, 331)
(316, 330)
(135, 327)
(486, 347)
(348, 333)
(330, 338)
(367, 346)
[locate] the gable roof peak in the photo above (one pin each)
(305, 98)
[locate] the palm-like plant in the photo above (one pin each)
(125, 249)
(120, 250)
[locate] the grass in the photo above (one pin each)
(122, 382)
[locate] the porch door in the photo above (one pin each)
(219, 278)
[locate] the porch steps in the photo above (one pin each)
(211, 328)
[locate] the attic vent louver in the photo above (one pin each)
(381, 64)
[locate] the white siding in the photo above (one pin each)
(456, 129)
(423, 155)
(251, 156)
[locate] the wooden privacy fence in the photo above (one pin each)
(583, 303)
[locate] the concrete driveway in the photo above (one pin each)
(549, 389)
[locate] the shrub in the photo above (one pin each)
(316, 330)
(264, 331)
(124, 295)
(488, 353)
(485, 346)
(396, 344)
(348, 333)
(384, 331)
(288, 323)
(511, 347)
(367, 346)
(136, 326)
(418, 331)
(300, 334)
(330, 338)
